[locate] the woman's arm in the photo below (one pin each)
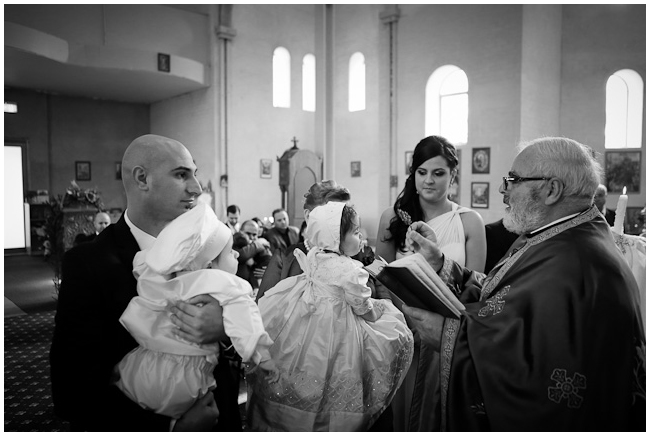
(386, 249)
(475, 242)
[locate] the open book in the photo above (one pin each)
(412, 281)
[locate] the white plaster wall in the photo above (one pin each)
(484, 41)
(356, 134)
(154, 28)
(190, 119)
(598, 40)
(541, 71)
(257, 130)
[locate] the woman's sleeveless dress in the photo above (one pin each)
(451, 239)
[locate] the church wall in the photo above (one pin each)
(152, 28)
(257, 130)
(357, 134)
(190, 119)
(541, 71)
(597, 41)
(486, 42)
(61, 130)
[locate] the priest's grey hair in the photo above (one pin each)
(568, 160)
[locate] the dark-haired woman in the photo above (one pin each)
(461, 236)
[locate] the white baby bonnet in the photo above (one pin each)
(324, 226)
(189, 242)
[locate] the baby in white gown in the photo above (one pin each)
(341, 354)
(191, 256)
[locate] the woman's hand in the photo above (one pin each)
(428, 325)
(199, 320)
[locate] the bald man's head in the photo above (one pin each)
(159, 177)
(101, 221)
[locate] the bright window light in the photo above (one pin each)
(624, 110)
(281, 78)
(357, 83)
(11, 108)
(309, 83)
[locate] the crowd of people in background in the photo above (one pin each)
(551, 337)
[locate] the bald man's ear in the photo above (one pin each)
(140, 177)
(554, 191)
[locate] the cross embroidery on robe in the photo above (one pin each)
(567, 388)
(494, 304)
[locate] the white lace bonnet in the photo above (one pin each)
(189, 242)
(324, 226)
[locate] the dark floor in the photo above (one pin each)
(30, 304)
(29, 283)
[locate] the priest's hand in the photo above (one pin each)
(424, 241)
(199, 320)
(428, 325)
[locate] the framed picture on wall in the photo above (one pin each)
(481, 195)
(480, 160)
(265, 168)
(355, 168)
(408, 158)
(82, 170)
(118, 170)
(623, 169)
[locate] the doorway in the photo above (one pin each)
(16, 215)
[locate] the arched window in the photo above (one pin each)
(447, 104)
(281, 77)
(357, 83)
(624, 110)
(309, 83)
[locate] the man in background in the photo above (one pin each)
(232, 218)
(254, 253)
(600, 198)
(282, 235)
(101, 221)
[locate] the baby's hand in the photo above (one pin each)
(273, 374)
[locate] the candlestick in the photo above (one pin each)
(620, 212)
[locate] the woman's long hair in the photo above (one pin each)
(407, 206)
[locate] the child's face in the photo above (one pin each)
(227, 259)
(351, 244)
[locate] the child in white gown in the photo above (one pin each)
(341, 355)
(164, 373)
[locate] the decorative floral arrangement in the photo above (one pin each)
(74, 194)
(52, 230)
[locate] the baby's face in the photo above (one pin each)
(351, 245)
(227, 259)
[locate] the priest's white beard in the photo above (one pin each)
(524, 215)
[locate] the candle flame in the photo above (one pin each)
(624, 189)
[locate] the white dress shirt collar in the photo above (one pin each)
(144, 240)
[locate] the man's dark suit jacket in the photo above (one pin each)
(276, 239)
(82, 237)
(610, 216)
(89, 341)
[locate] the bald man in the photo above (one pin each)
(159, 177)
(100, 222)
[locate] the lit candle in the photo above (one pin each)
(620, 212)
